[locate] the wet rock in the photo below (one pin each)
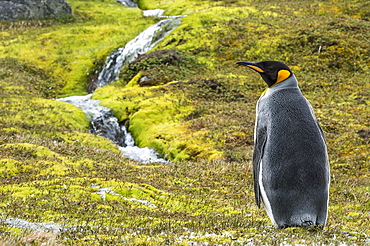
(106, 125)
(128, 3)
(11, 10)
(147, 81)
(102, 120)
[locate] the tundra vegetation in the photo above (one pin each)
(197, 109)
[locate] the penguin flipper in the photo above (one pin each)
(259, 146)
(321, 131)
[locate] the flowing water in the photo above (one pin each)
(102, 120)
(144, 42)
(103, 123)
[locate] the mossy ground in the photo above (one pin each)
(53, 171)
(69, 48)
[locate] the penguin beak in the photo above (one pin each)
(251, 65)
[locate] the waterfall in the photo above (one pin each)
(144, 42)
(102, 120)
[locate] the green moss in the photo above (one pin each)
(55, 169)
(154, 113)
(64, 192)
(37, 151)
(134, 82)
(88, 139)
(69, 50)
(161, 66)
(23, 192)
(26, 80)
(42, 113)
(155, 121)
(10, 167)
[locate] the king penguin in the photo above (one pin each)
(290, 161)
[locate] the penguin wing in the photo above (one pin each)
(259, 146)
(321, 131)
(317, 123)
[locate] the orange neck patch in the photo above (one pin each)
(282, 75)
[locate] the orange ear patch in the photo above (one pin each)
(282, 75)
(256, 68)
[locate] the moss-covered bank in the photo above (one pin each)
(155, 114)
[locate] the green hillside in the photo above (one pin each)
(198, 110)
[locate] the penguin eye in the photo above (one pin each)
(269, 69)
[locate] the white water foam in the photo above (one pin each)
(159, 13)
(153, 12)
(144, 155)
(89, 106)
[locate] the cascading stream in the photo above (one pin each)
(102, 120)
(144, 42)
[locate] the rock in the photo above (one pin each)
(128, 3)
(106, 125)
(147, 81)
(11, 10)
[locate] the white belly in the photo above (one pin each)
(265, 199)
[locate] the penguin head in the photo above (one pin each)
(272, 72)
